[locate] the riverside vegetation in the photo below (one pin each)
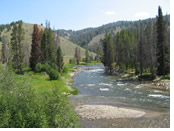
(35, 94)
(32, 100)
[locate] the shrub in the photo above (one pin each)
(21, 107)
(54, 66)
(75, 91)
(46, 67)
(65, 70)
(61, 112)
(38, 68)
(53, 74)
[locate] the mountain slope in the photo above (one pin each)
(68, 48)
(92, 36)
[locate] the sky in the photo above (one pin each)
(79, 14)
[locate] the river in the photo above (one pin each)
(98, 88)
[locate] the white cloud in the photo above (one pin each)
(109, 13)
(142, 14)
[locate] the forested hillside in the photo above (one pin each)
(93, 36)
(143, 47)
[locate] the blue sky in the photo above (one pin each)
(79, 14)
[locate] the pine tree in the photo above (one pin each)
(44, 47)
(17, 38)
(47, 47)
(59, 59)
(35, 50)
(108, 57)
(4, 50)
(161, 45)
(51, 52)
(14, 47)
(20, 37)
(141, 51)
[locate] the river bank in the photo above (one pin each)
(109, 101)
(153, 84)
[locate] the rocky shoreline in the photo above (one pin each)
(96, 112)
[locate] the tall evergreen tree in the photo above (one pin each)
(141, 51)
(161, 45)
(44, 48)
(108, 57)
(47, 46)
(14, 47)
(59, 59)
(4, 57)
(35, 50)
(17, 38)
(51, 52)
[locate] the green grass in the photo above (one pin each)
(43, 86)
(94, 63)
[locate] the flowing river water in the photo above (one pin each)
(98, 88)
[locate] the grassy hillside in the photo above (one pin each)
(96, 41)
(68, 48)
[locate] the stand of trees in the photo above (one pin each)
(43, 55)
(143, 47)
(46, 54)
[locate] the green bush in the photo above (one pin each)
(21, 107)
(54, 66)
(38, 67)
(53, 74)
(61, 112)
(65, 69)
(46, 68)
(75, 91)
